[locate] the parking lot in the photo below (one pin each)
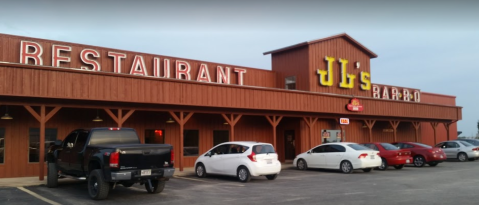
(448, 183)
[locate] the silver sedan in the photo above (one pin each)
(459, 150)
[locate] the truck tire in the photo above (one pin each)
(157, 186)
(52, 177)
(98, 188)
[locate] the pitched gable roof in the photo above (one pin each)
(343, 35)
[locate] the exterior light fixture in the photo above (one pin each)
(170, 120)
(225, 123)
(364, 126)
(97, 119)
(6, 116)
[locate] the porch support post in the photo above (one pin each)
(232, 120)
(447, 126)
(119, 119)
(274, 121)
(181, 119)
(310, 121)
(394, 124)
(370, 124)
(416, 127)
(43, 119)
(434, 126)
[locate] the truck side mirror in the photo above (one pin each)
(58, 142)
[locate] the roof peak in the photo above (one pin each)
(341, 35)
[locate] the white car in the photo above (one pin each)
(240, 159)
(344, 156)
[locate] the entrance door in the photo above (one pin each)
(154, 136)
(289, 145)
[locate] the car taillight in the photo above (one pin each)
(475, 149)
(115, 159)
(252, 157)
(172, 157)
(362, 156)
(114, 128)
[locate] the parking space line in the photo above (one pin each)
(38, 196)
(190, 179)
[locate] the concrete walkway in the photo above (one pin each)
(34, 181)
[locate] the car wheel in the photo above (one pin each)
(302, 165)
(243, 174)
(433, 164)
(384, 165)
(419, 161)
(399, 166)
(368, 170)
(271, 176)
(462, 157)
(52, 177)
(200, 170)
(154, 186)
(98, 188)
(346, 167)
(127, 184)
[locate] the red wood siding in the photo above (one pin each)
(438, 99)
(59, 83)
(292, 63)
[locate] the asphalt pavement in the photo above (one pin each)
(448, 183)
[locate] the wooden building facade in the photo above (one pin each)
(50, 88)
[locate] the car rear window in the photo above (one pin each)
(388, 146)
(102, 137)
(422, 145)
(358, 147)
(467, 144)
(263, 149)
(474, 142)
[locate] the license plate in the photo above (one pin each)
(372, 156)
(146, 172)
(269, 161)
(407, 161)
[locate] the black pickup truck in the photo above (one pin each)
(107, 157)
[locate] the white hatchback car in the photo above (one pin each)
(343, 155)
(240, 159)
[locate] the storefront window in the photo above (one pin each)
(34, 142)
(154, 136)
(220, 136)
(191, 142)
(2, 145)
(332, 136)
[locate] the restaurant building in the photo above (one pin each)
(317, 91)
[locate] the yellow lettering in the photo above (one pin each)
(347, 80)
(323, 73)
(365, 81)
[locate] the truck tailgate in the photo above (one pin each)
(145, 156)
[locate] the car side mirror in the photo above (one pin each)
(309, 152)
(208, 154)
(58, 143)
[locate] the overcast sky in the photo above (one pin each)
(430, 45)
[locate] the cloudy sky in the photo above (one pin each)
(430, 45)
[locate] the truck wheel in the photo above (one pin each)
(156, 186)
(52, 177)
(98, 188)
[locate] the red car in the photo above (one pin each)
(390, 155)
(423, 154)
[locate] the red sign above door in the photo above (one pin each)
(354, 105)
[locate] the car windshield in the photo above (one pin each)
(263, 149)
(358, 147)
(422, 145)
(388, 146)
(467, 144)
